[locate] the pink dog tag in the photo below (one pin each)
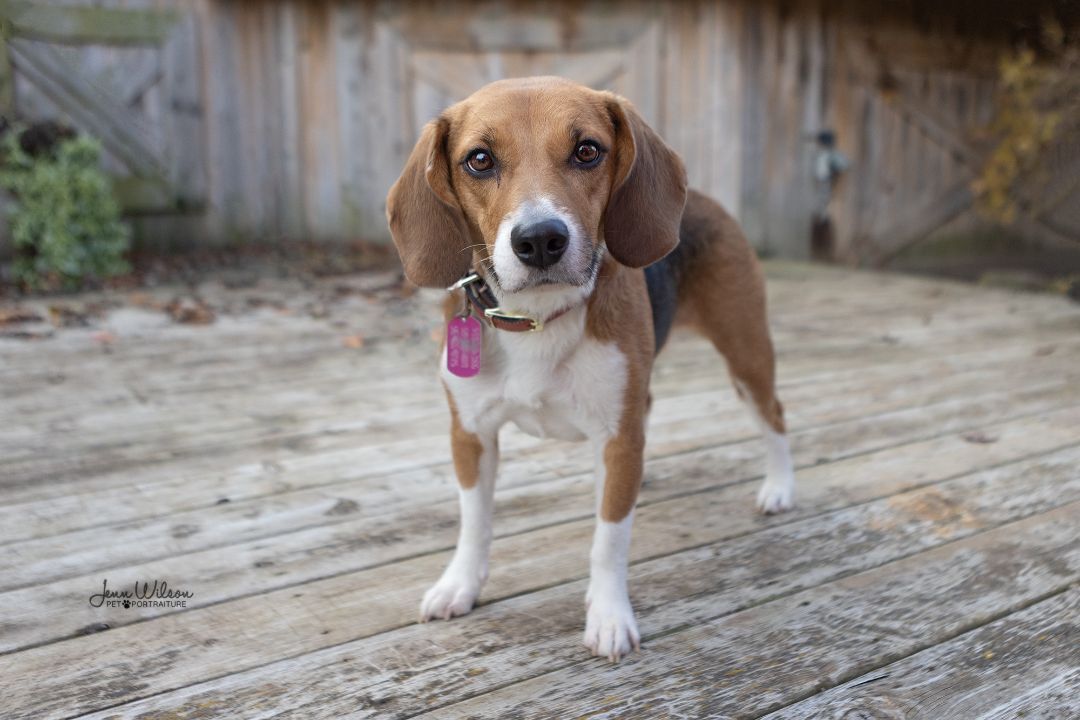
(464, 346)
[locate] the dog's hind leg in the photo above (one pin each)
(726, 303)
(476, 459)
(778, 490)
(747, 348)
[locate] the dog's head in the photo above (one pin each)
(534, 176)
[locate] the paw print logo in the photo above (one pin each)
(127, 603)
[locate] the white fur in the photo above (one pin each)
(777, 493)
(610, 628)
(456, 591)
(554, 383)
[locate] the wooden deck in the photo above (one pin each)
(288, 465)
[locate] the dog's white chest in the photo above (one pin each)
(552, 389)
(552, 419)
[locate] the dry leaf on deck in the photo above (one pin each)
(190, 311)
(18, 315)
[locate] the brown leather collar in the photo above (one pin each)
(483, 301)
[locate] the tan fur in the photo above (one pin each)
(453, 304)
(723, 298)
(641, 223)
(426, 222)
(465, 447)
(619, 312)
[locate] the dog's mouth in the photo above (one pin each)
(554, 278)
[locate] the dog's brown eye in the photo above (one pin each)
(587, 153)
(480, 161)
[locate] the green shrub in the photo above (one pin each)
(66, 225)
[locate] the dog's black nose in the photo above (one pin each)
(541, 244)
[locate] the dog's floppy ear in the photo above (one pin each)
(641, 223)
(427, 224)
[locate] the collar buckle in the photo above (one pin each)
(469, 279)
(535, 325)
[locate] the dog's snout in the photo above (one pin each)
(540, 244)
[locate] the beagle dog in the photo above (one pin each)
(563, 228)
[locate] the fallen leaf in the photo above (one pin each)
(145, 300)
(64, 316)
(190, 311)
(18, 315)
(353, 341)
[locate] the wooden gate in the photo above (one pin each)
(128, 76)
(307, 109)
(914, 119)
(430, 57)
(678, 63)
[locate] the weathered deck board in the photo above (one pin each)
(335, 542)
(292, 621)
(69, 467)
(48, 478)
(682, 423)
(670, 592)
(1057, 698)
(754, 661)
(39, 560)
(176, 359)
(302, 488)
(955, 679)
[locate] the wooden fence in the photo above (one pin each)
(271, 120)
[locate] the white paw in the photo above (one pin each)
(454, 595)
(775, 496)
(610, 629)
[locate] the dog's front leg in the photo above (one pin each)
(610, 629)
(476, 458)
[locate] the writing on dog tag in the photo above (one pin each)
(464, 346)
